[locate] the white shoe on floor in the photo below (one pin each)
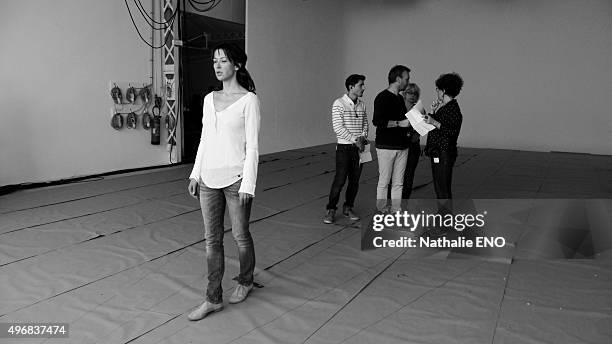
(240, 293)
(203, 310)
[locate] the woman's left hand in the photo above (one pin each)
(430, 120)
(244, 198)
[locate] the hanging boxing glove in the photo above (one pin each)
(130, 95)
(132, 120)
(117, 121)
(116, 94)
(146, 121)
(145, 94)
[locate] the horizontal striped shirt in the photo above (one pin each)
(349, 119)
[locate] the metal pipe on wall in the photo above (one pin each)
(152, 44)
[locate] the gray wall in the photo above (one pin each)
(295, 57)
(536, 72)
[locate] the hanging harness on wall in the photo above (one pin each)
(116, 94)
(117, 121)
(130, 95)
(132, 120)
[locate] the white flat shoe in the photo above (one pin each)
(203, 310)
(240, 293)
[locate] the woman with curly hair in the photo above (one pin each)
(441, 144)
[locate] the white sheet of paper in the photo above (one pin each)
(366, 155)
(419, 107)
(415, 116)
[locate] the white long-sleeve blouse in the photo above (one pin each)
(229, 149)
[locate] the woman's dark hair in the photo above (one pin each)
(353, 80)
(450, 84)
(238, 57)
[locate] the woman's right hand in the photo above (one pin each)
(193, 188)
(435, 105)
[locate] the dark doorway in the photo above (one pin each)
(200, 34)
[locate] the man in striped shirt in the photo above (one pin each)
(350, 124)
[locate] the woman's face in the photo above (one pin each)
(224, 68)
(440, 94)
(411, 98)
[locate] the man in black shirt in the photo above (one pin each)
(392, 139)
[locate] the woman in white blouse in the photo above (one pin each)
(225, 173)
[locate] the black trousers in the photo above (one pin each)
(347, 167)
(414, 153)
(442, 172)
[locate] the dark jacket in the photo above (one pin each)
(445, 138)
(390, 107)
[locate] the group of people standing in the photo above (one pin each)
(225, 170)
(397, 144)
